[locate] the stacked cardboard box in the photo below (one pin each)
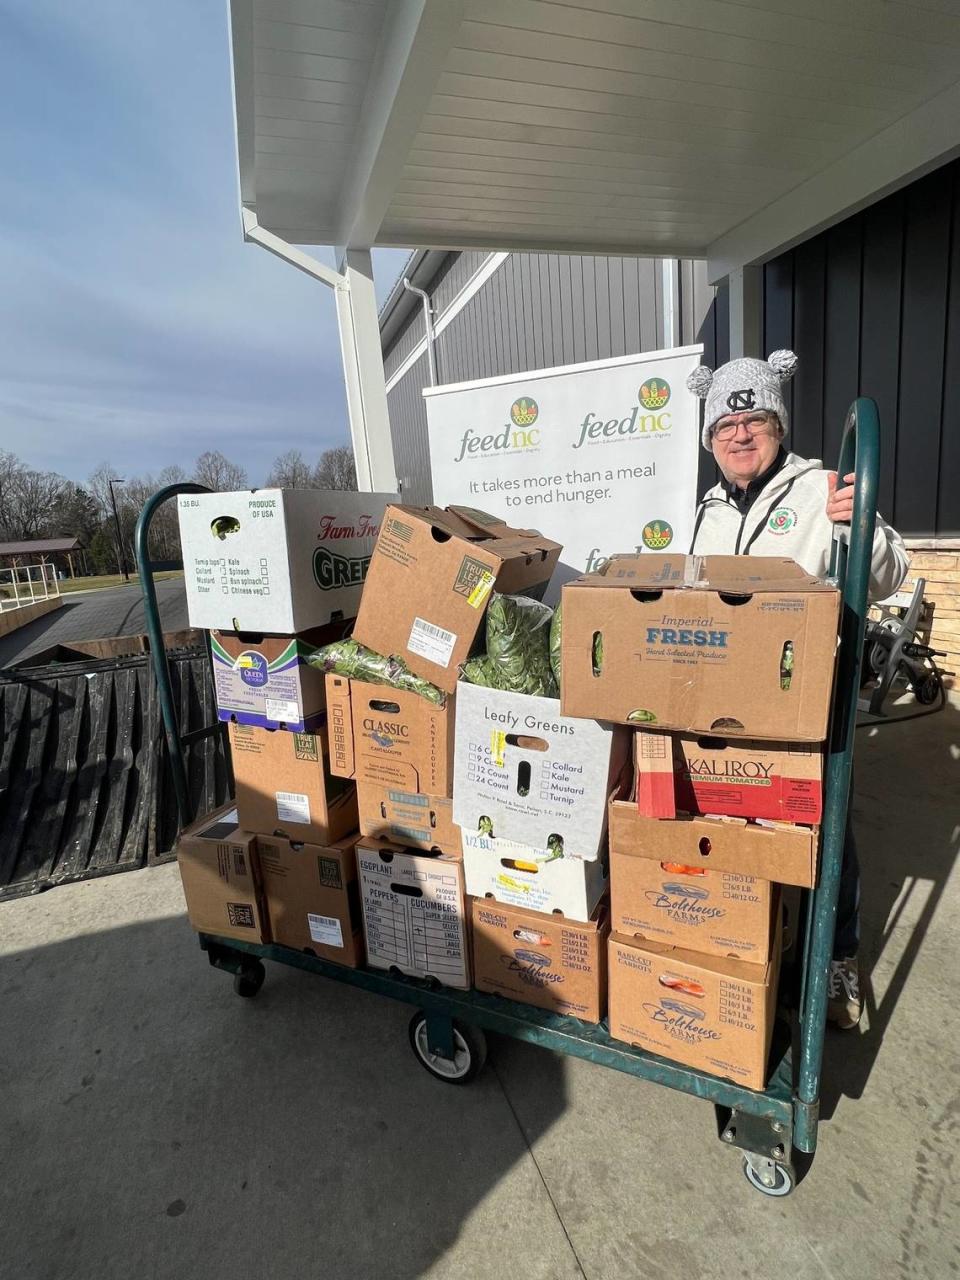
(273, 574)
(728, 661)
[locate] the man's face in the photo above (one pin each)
(744, 444)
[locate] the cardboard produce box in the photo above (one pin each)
(536, 775)
(221, 878)
(390, 737)
(532, 879)
(741, 778)
(721, 913)
(409, 817)
(276, 560)
(284, 786)
(429, 580)
(266, 680)
(739, 645)
(778, 851)
(707, 1012)
(414, 912)
(546, 961)
(313, 897)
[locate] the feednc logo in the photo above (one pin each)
(517, 435)
(648, 418)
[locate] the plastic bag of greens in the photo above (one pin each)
(518, 645)
(480, 670)
(556, 629)
(348, 658)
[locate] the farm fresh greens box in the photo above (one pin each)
(734, 645)
(525, 772)
(276, 560)
(431, 576)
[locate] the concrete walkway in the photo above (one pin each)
(156, 1125)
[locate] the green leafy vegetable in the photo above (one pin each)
(518, 645)
(348, 658)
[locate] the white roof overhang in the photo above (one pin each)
(719, 129)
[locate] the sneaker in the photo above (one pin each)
(844, 1003)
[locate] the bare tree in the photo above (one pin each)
(290, 471)
(218, 472)
(336, 469)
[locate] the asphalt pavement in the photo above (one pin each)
(93, 615)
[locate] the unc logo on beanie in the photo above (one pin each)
(743, 385)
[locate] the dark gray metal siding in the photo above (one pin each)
(872, 307)
(537, 311)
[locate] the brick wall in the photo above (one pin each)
(941, 568)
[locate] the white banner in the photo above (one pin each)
(601, 457)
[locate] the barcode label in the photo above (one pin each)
(431, 642)
(293, 807)
(279, 709)
(325, 929)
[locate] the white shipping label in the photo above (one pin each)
(431, 642)
(293, 807)
(279, 709)
(325, 929)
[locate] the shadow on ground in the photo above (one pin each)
(162, 1120)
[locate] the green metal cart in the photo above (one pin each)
(775, 1129)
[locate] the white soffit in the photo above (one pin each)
(701, 128)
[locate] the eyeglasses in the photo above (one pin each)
(756, 424)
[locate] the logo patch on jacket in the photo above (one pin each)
(782, 520)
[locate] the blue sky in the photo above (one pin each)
(136, 327)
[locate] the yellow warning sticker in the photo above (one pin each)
(498, 740)
(483, 588)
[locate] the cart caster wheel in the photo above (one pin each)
(781, 1178)
(469, 1052)
(927, 690)
(250, 979)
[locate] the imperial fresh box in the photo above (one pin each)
(718, 644)
(276, 560)
(430, 577)
(749, 779)
(525, 772)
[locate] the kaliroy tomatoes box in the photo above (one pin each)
(723, 913)
(276, 560)
(284, 786)
(728, 645)
(547, 961)
(390, 737)
(707, 774)
(266, 680)
(526, 773)
(707, 1012)
(429, 580)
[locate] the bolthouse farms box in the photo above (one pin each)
(276, 560)
(430, 578)
(717, 644)
(526, 773)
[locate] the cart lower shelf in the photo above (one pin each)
(444, 1038)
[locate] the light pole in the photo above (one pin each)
(121, 558)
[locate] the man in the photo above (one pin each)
(773, 503)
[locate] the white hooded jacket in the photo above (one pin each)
(789, 518)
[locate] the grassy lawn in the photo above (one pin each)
(110, 580)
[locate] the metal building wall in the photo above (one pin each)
(872, 307)
(537, 311)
